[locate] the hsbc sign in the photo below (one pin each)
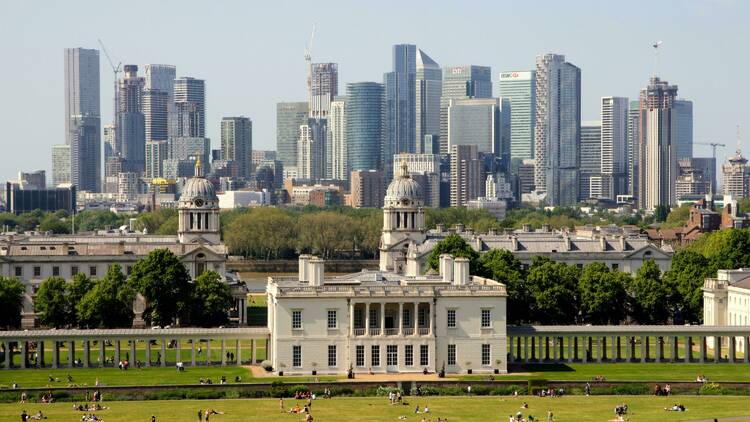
(519, 76)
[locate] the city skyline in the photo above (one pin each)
(620, 66)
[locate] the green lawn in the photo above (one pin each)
(579, 409)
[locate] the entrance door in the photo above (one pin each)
(391, 358)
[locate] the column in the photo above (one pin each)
(223, 353)
(401, 318)
(382, 319)
(148, 352)
(8, 354)
(101, 353)
(351, 318)
(432, 318)
(24, 346)
(269, 348)
(55, 354)
(746, 355)
(586, 349)
(570, 349)
(178, 350)
(238, 353)
(659, 348)
(644, 349)
(526, 349)
(163, 360)
(554, 349)
(133, 356)
(675, 350)
(732, 349)
(599, 349)
(252, 350)
(688, 349)
(702, 349)
(192, 352)
(367, 318)
(717, 348)
(208, 351)
(86, 352)
(117, 352)
(40, 353)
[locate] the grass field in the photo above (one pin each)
(578, 409)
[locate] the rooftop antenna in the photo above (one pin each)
(739, 141)
(115, 70)
(656, 46)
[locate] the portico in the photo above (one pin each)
(405, 319)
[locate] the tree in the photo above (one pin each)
(325, 232)
(262, 233)
(502, 266)
(165, 283)
(53, 223)
(661, 212)
(109, 304)
(454, 245)
(11, 302)
(78, 288)
(678, 216)
(648, 295)
(211, 300)
(686, 275)
(602, 295)
(53, 303)
(552, 287)
(90, 220)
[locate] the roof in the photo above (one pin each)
(742, 284)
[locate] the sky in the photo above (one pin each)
(251, 54)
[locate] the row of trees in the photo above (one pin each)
(549, 292)
(107, 302)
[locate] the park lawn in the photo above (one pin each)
(31, 378)
(572, 408)
(685, 372)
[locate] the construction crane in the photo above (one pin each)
(308, 61)
(713, 146)
(116, 71)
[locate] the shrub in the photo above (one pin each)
(384, 390)
(266, 364)
(626, 390)
(710, 389)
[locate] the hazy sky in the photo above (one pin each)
(251, 54)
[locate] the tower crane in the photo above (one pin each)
(713, 146)
(116, 70)
(308, 62)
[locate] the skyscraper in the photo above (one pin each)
(520, 88)
(161, 77)
(311, 149)
(591, 160)
(475, 121)
(190, 108)
(461, 82)
(323, 85)
(131, 127)
(428, 89)
(237, 142)
(156, 153)
(634, 116)
(155, 114)
(736, 176)
(110, 141)
(60, 165)
(467, 174)
(657, 145)
(337, 140)
(364, 125)
(85, 153)
(81, 86)
(684, 130)
(614, 145)
(400, 107)
(289, 117)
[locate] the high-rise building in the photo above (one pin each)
(190, 108)
(289, 117)
(691, 181)
(155, 114)
(634, 127)
(520, 88)
(684, 129)
(85, 153)
(60, 165)
(707, 166)
(81, 86)
(367, 188)
(459, 82)
(190, 149)
(323, 86)
(591, 160)
(526, 176)
(557, 129)
(160, 77)
(131, 127)
(475, 121)
(237, 142)
(364, 125)
(614, 146)
(311, 149)
(428, 90)
(425, 170)
(736, 176)
(336, 145)
(400, 104)
(467, 174)
(33, 180)
(110, 141)
(156, 153)
(657, 170)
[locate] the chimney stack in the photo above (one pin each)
(446, 267)
(461, 271)
(316, 271)
(304, 277)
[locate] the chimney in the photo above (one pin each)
(514, 242)
(526, 228)
(603, 243)
(623, 243)
(440, 228)
(545, 228)
(461, 271)
(304, 277)
(316, 271)
(459, 228)
(446, 267)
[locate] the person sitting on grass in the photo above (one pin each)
(38, 416)
(295, 409)
(676, 408)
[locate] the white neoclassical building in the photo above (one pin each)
(726, 300)
(388, 320)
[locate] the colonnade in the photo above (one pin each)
(416, 326)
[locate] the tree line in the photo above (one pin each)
(107, 302)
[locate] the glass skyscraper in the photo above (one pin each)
(429, 88)
(461, 82)
(591, 159)
(237, 142)
(400, 108)
(190, 108)
(289, 117)
(684, 136)
(364, 125)
(520, 89)
(83, 118)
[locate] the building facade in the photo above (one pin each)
(475, 121)
(520, 88)
(130, 129)
(591, 160)
(85, 153)
(81, 86)
(289, 117)
(367, 188)
(156, 153)
(461, 82)
(237, 142)
(684, 128)
(190, 108)
(337, 150)
(323, 86)
(60, 165)
(400, 104)
(364, 125)
(156, 114)
(467, 174)
(736, 176)
(614, 156)
(428, 89)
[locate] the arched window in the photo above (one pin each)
(200, 264)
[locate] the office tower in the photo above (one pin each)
(156, 153)
(707, 165)
(419, 163)
(336, 159)
(475, 121)
(237, 142)
(364, 125)
(614, 146)
(367, 188)
(276, 168)
(431, 144)
(684, 128)
(60, 165)
(131, 127)
(467, 174)
(109, 141)
(400, 97)
(591, 160)
(311, 149)
(190, 108)
(34, 180)
(657, 153)
(736, 176)
(557, 129)
(81, 86)
(160, 77)
(520, 88)
(460, 82)
(691, 182)
(526, 176)
(85, 153)
(634, 116)
(155, 114)
(323, 86)
(191, 148)
(112, 167)
(289, 117)
(428, 90)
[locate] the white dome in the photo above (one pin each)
(198, 187)
(404, 188)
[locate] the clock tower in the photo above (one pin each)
(198, 210)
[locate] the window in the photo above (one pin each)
(56, 271)
(359, 316)
(486, 318)
(373, 318)
(360, 355)
(19, 271)
(296, 356)
(73, 271)
(615, 267)
(92, 271)
(451, 354)
(424, 355)
(422, 317)
(37, 271)
(129, 269)
(486, 354)
(296, 320)
(407, 318)
(451, 318)
(375, 355)
(409, 355)
(331, 355)
(391, 355)
(332, 321)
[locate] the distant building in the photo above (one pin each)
(526, 176)
(85, 153)
(475, 121)
(259, 156)
(60, 165)
(19, 201)
(190, 108)
(462, 82)
(490, 202)
(243, 199)
(34, 180)
(337, 151)
(323, 86)
(289, 118)
(364, 125)
(237, 142)
(467, 174)
(690, 181)
(156, 114)
(131, 124)
(189, 148)
(110, 142)
(736, 176)
(591, 160)
(684, 130)
(311, 151)
(708, 166)
(160, 77)
(428, 89)
(520, 88)
(614, 146)
(156, 153)
(367, 188)
(400, 104)
(634, 117)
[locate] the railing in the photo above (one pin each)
(391, 331)
(424, 331)
(408, 331)
(359, 331)
(374, 331)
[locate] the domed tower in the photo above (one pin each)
(403, 221)
(198, 210)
